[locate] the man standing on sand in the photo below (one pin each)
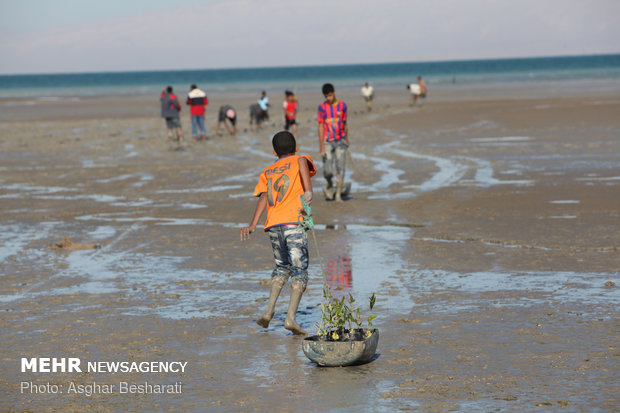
(170, 108)
(368, 94)
(197, 101)
(333, 140)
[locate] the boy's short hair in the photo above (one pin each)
(169, 89)
(288, 93)
(328, 88)
(284, 143)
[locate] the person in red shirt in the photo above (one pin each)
(197, 101)
(290, 112)
(279, 189)
(333, 140)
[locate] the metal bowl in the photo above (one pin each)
(341, 353)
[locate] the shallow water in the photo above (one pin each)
(376, 258)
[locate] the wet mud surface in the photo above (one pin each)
(488, 230)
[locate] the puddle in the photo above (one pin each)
(609, 179)
(17, 237)
(450, 171)
(502, 139)
(34, 190)
(192, 206)
(157, 220)
(142, 179)
(102, 232)
(130, 148)
(489, 243)
(484, 175)
(565, 201)
(529, 288)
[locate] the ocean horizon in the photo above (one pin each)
(300, 78)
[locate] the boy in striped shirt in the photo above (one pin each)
(333, 140)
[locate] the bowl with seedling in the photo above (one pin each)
(344, 337)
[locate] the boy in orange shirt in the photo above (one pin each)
(278, 190)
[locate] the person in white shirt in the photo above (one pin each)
(368, 94)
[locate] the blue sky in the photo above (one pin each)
(43, 36)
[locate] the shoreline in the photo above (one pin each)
(111, 107)
(539, 87)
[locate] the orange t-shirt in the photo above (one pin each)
(282, 183)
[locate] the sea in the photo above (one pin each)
(601, 70)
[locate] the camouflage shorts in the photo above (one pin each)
(334, 161)
(290, 251)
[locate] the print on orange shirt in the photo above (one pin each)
(282, 183)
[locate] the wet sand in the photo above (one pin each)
(485, 222)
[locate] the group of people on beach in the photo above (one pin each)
(197, 101)
(259, 112)
(227, 115)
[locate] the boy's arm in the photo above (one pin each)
(258, 212)
(321, 140)
(304, 173)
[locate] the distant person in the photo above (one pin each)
(418, 90)
(423, 89)
(368, 94)
(227, 114)
(259, 111)
(279, 189)
(170, 108)
(290, 112)
(263, 103)
(333, 141)
(197, 101)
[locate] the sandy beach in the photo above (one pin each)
(486, 222)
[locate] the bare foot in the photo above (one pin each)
(264, 321)
(294, 327)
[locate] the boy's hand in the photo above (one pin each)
(246, 231)
(308, 197)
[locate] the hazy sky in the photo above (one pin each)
(46, 36)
